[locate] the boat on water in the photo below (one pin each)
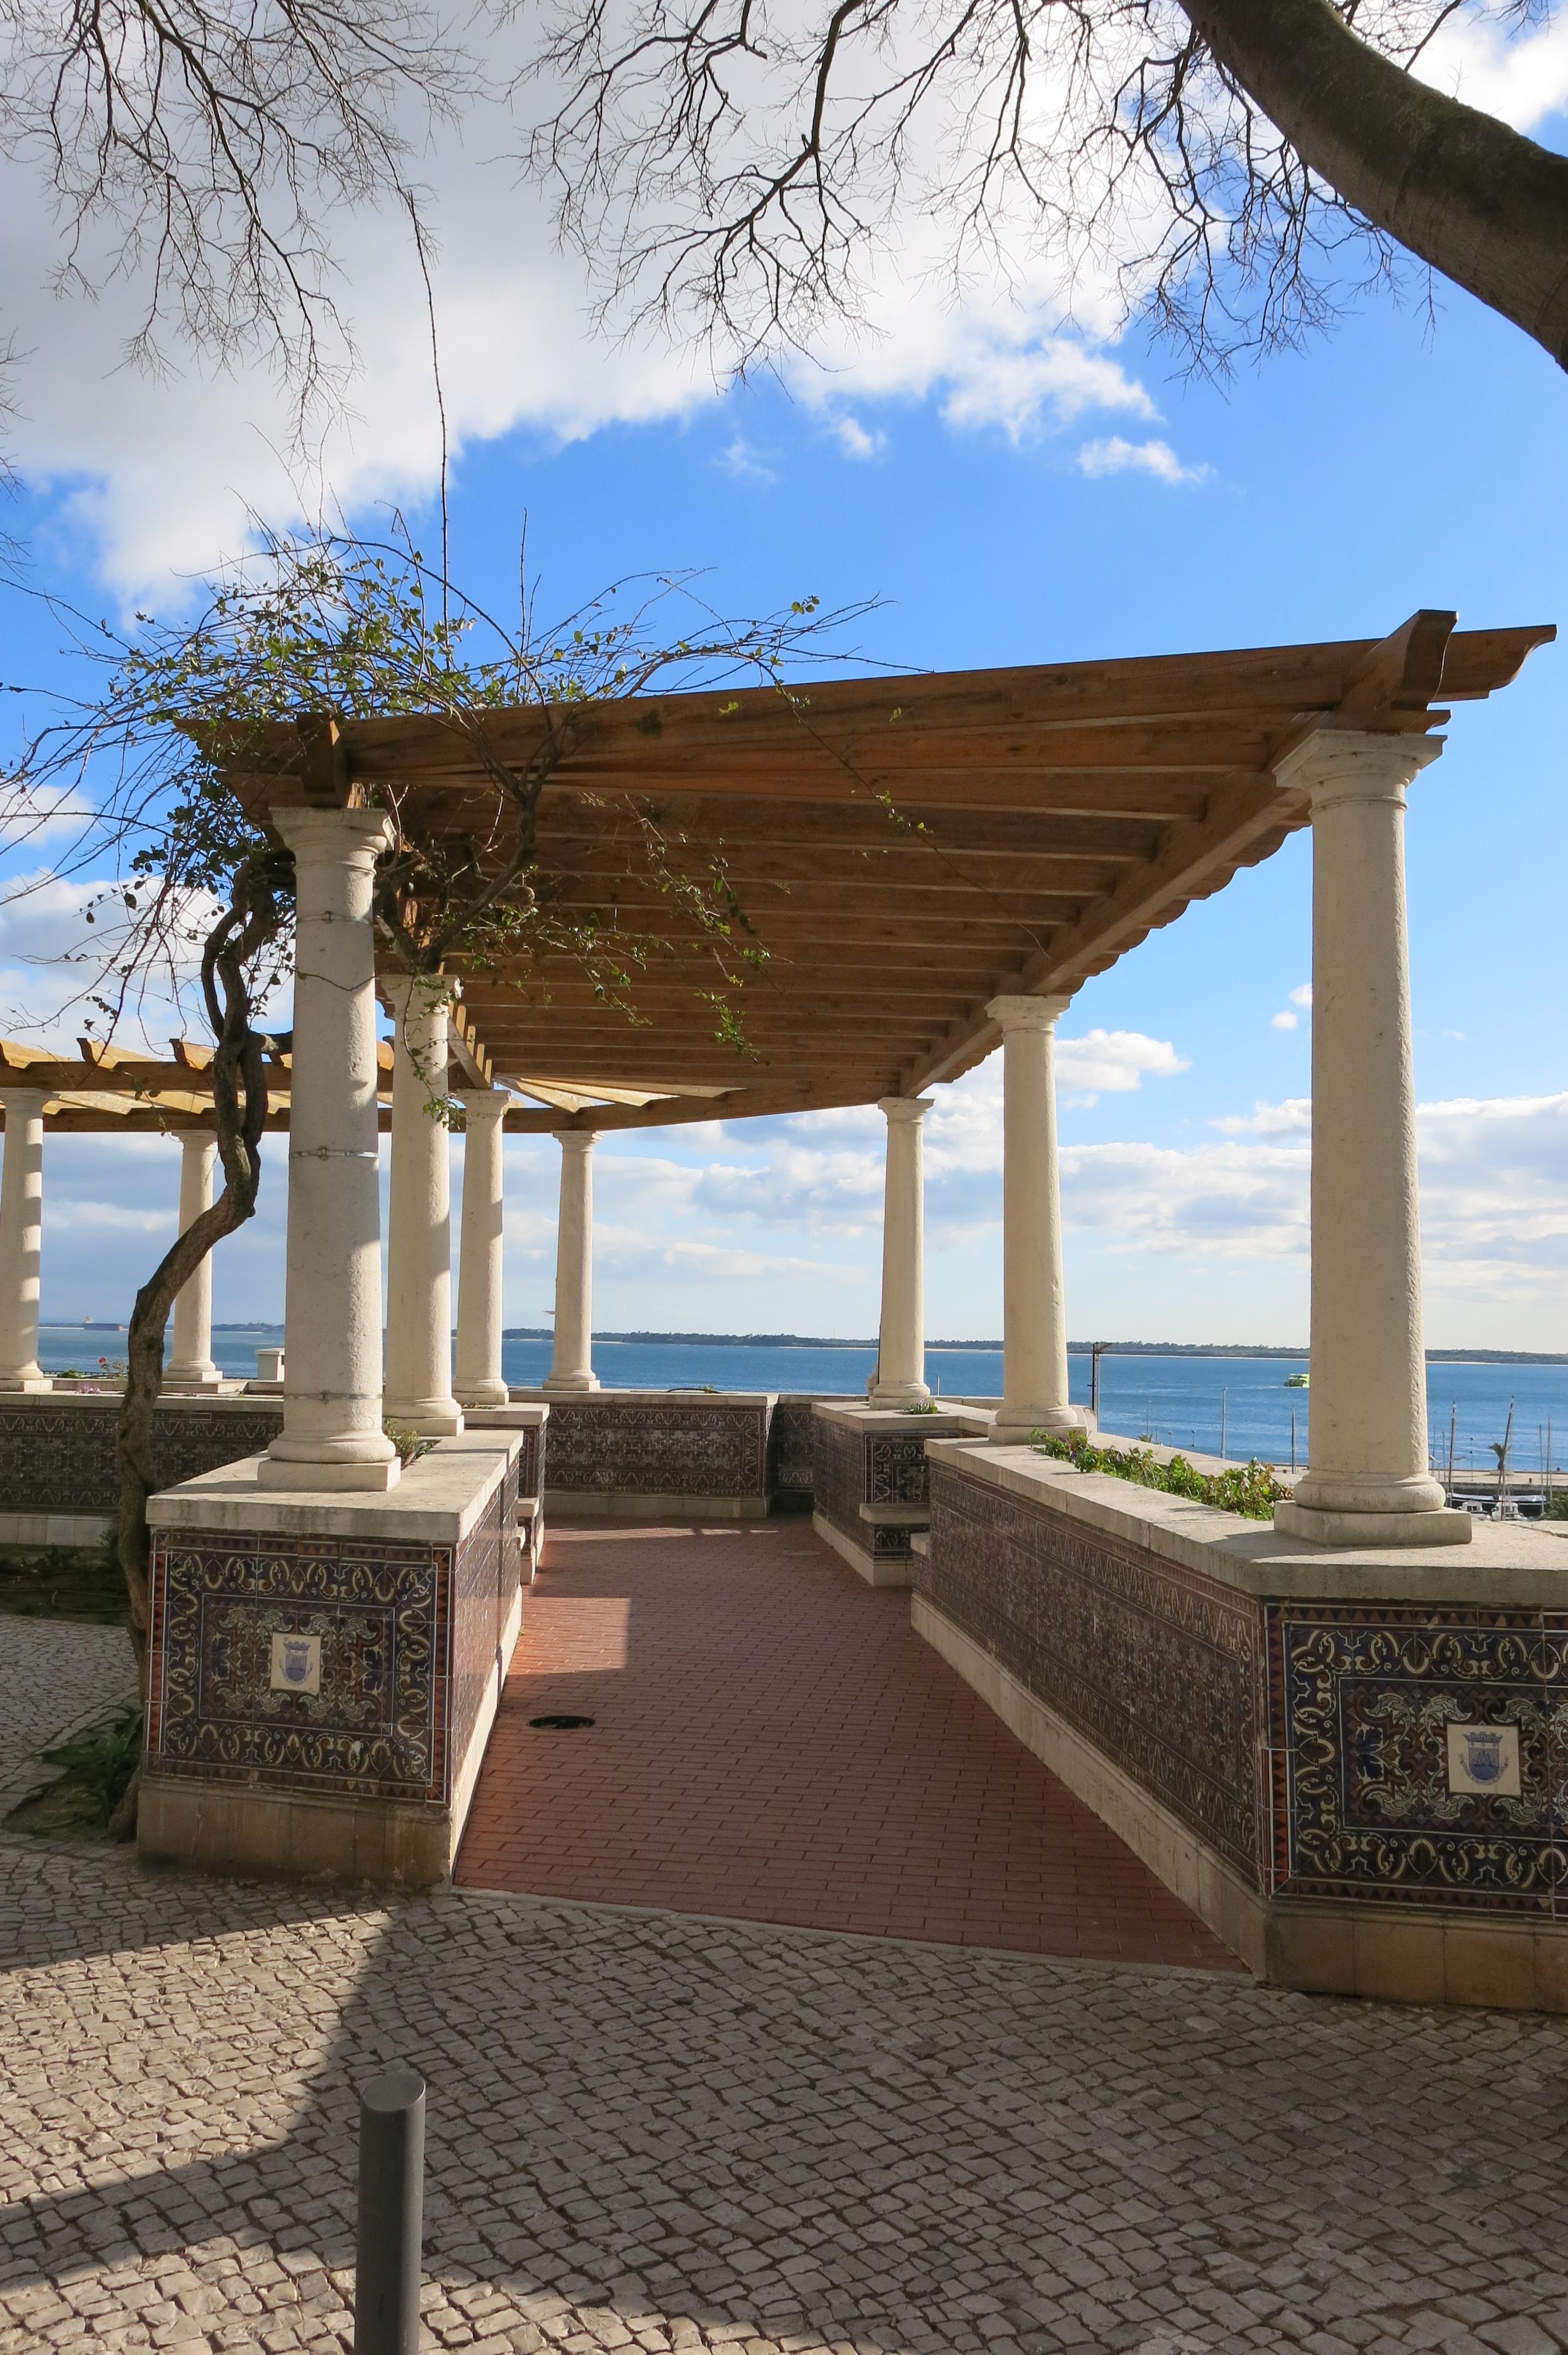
(1297, 1381)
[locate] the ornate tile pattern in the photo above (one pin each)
(407, 1633)
(377, 1726)
(529, 1469)
(790, 1450)
(1161, 1669)
(57, 1456)
(839, 1482)
(677, 1448)
(1362, 1701)
(852, 1467)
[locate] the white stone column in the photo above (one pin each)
(1034, 1321)
(901, 1347)
(332, 1436)
(480, 1253)
(1368, 1481)
(191, 1368)
(418, 1214)
(21, 1239)
(571, 1359)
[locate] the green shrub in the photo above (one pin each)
(410, 1446)
(99, 1763)
(1250, 1489)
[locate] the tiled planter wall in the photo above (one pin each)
(1161, 1670)
(1305, 1744)
(57, 1454)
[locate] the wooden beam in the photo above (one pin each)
(1242, 825)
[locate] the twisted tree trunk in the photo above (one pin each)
(252, 921)
(1457, 187)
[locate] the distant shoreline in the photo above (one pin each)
(837, 1341)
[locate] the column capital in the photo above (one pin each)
(353, 836)
(905, 1108)
(28, 1101)
(1028, 1013)
(576, 1140)
(1353, 764)
(482, 1103)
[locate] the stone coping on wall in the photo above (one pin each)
(859, 1414)
(1507, 1564)
(690, 1396)
(438, 1501)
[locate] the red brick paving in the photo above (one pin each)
(772, 1743)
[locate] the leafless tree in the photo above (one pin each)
(1237, 169)
(197, 148)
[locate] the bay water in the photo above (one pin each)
(1178, 1400)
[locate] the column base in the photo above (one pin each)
(432, 1418)
(899, 1394)
(1361, 1531)
(482, 1393)
(191, 1377)
(368, 1475)
(566, 1385)
(12, 1384)
(1015, 1426)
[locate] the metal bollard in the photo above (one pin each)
(391, 2215)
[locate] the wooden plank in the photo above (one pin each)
(761, 1104)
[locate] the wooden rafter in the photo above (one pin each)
(903, 849)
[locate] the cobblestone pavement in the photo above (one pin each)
(663, 2132)
(56, 1675)
(772, 1740)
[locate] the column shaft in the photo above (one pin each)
(1034, 1324)
(901, 1352)
(481, 1263)
(571, 1359)
(21, 1239)
(418, 1215)
(1368, 1480)
(332, 1436)
(192, 1366)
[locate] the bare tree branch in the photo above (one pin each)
(1238, 170)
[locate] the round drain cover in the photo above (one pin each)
(560, 1723)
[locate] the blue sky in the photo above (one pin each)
(1022, 497)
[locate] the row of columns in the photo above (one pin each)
(1368, 1474)
(1368, 1479)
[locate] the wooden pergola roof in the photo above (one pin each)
(907, 848)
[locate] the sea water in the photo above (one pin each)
(1178, 1400)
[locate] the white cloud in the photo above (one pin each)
(1285, 1021)
(1053, 380)
(855, 441)
(1522, 80)
(161, 475)
(741, 463)
(1302, 994)
(1269, 1119)
(1115, 456)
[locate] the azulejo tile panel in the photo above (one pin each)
(789, 1448)
(646, 1447)
(1365, 1803)
(1159, 1669)
(57, 1456)
(377, 1725)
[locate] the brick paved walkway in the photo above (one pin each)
(652, 2132)
(772, 1744)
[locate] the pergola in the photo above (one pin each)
(933, 865)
